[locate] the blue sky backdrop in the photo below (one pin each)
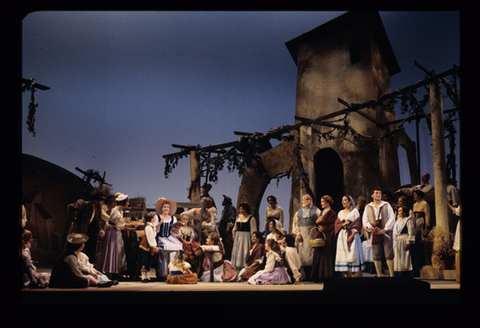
(125, 86)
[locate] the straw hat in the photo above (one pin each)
(77, 238)
(159, 206)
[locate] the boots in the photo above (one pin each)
(390, 267)
(145, 275)
(378, 268)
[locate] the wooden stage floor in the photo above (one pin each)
(332, 291)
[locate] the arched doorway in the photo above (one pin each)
(329, 177)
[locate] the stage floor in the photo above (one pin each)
(128, 292)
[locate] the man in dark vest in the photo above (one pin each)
(379, 220)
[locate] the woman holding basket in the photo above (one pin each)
(324, 256)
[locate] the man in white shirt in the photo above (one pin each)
(379, 219)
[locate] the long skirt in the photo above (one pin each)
(368, 257)
(278, 276)
(323, 260)
(112, 253)
(402, 260)
(247, 272)
(241, 245)
(223, 273)
(349, 260)
(170, 243)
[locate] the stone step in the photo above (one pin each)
(438, 274)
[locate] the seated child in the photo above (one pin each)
(188, 236)
(179, 270)
(31, 277)
(223, 271)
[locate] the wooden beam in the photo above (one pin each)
(307, 120)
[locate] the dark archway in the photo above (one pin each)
(329, 177)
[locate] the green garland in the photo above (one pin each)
(32, 106)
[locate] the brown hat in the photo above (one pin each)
(159, 205)
(77, 238)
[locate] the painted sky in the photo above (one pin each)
(125, 86)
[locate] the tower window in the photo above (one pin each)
(354, 51)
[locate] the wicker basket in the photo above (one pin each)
(318, 242)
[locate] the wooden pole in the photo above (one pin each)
(438, 145)
(194, 193)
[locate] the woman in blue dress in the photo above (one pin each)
(165, 210)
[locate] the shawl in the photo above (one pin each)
(328, 222)
(356, 224)
(258, 252)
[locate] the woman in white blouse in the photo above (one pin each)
(244, 227)
(273, 211)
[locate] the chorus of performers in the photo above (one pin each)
(382, 234)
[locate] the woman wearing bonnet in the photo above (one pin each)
(348, 226)
(112, 259)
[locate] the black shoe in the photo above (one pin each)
(145, 280)
(115, 282)
(105, 284)
(34, 285)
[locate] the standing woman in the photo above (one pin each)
(244, 227)
(303, 221)
(348, 226)
(112, 259)
(324, 257)
(165, 240)
(403, 244)
(421, 212)
(273, 212)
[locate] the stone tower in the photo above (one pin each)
(349, 57)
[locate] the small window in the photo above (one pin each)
(354, 52)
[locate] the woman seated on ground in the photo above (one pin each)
(255, 257)
(274, 272)
(66, 272)
(223, 269)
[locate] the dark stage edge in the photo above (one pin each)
(366, 291)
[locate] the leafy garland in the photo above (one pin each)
(32, 106)
(244, 154)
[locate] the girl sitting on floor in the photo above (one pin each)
(223, 271)
(179, 270)
(274, 272)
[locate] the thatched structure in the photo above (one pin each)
(47, 189)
